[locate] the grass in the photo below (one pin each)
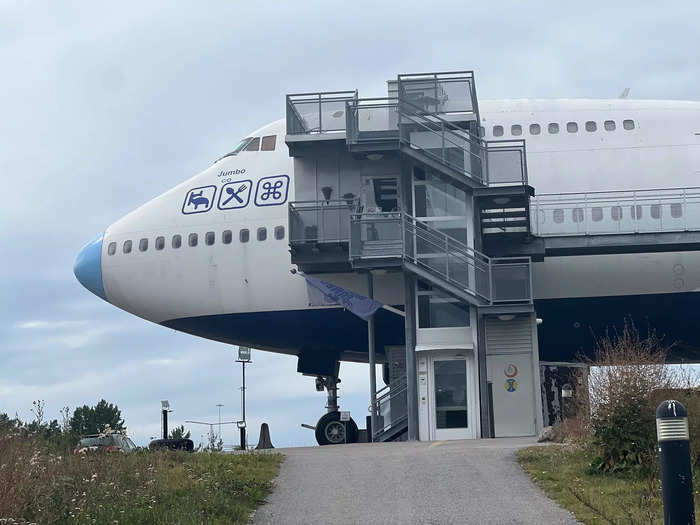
(594, 498)
(143, 487)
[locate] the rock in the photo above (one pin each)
(546, 434)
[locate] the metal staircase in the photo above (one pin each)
(430, 122)
(384, 240)
(392, 410)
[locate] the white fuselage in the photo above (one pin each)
(662, 150)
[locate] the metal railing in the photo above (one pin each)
(492, 163)
(616, 212)
(320, 221)
(315, 113)
(397, 235)
(443, 92)
(376, 235)
(372, 119)
(392, 407)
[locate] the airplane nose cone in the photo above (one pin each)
(88, 267)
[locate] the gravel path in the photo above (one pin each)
(441, 483)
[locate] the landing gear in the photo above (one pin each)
(329, 429)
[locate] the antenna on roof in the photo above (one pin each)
(625, 93)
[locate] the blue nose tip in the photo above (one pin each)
(88, 267)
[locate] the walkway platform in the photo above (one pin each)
(597, 223)
(445, 482)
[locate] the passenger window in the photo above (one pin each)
(268, 143)
(253, 145)
(676, 210)
(192, 240)
(534, 129)
(553, 128)
(177, 241)
(127, 247)
(244, 235)
(262, 234)
(591, 126)
(516, 130)
(279, 232)
(112, 248)
(160, 243)
(482, 131)
(572, 127)
(597, 214)
(577, 214)
(143, 245)
(498, 131)
(655, 211)
(209, 238)
(609, 125)
(628, 124)
(558, 216)
(636, 211)
(226, 237)
(616, 213)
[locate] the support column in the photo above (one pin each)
(484, 400)
(411, 375)
(372, 360)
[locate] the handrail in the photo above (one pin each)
(397, 386)
(618, 193)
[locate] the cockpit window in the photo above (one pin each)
(253, 145)
(239, 147)
(268, 143)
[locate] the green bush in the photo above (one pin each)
(628, 378)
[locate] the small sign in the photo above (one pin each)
(243, 353)
(345, 416)
(272, 191)
(240, 424)
(235, 195)
(199, 200)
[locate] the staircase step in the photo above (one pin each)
(502, 214)
(505, 224)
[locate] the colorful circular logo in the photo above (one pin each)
(511, 370)
(511, 385)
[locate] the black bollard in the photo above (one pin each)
(674, 456)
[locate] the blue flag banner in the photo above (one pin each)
(322, 293)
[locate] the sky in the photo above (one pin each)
(104, 106)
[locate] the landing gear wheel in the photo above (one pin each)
(330, 430)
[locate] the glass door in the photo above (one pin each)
(450, 416)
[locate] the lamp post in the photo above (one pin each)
(219, 405)
(165, 408)
(243, 358)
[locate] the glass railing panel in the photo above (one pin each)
(439, 92)
(372, 119)
(598, 213)
(506, 162)
(319, 221)
(442, 141)
(376, 235)
(309, 113)
(510, 280)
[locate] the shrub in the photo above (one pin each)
(629, 377)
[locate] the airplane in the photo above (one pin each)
(211, 256)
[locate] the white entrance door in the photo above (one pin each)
(450, 398)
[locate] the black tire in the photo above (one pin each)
(330, 430)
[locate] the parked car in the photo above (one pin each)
(113, 442)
